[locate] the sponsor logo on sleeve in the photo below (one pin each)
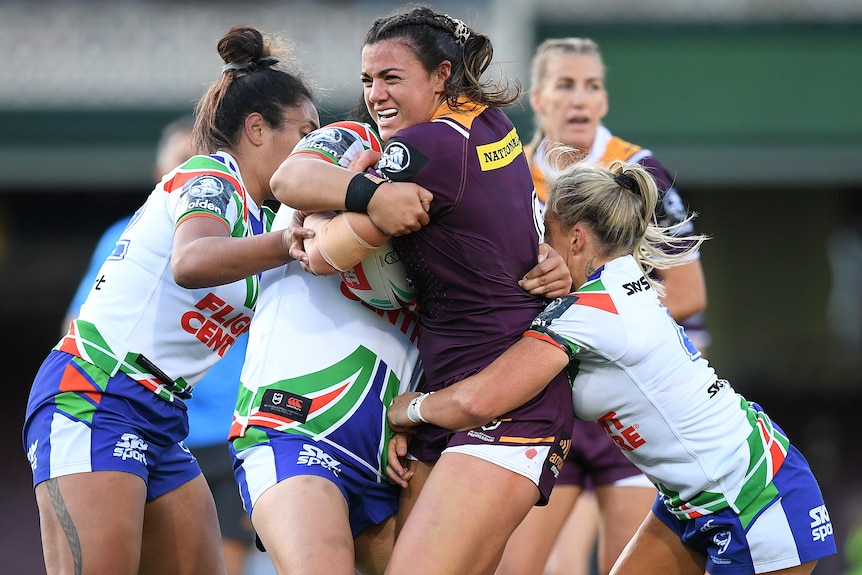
(207, 193)
(333, 143)
(553, 311)
(396, 158)
(400, 161)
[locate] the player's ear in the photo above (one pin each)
(440, 75)
(536, 101)
(577, 238)
(254, 127)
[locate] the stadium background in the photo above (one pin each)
(754, 104)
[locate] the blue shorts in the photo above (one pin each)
(283, 455)
(79, 419)
(787, 526)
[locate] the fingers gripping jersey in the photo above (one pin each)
(135, 308)
(636, 374)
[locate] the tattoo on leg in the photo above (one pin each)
(65, 520)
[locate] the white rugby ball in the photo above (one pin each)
(380, 280)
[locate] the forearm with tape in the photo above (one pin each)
(341, 246)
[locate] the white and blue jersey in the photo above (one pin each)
(136, 319)
(320, 371)
(707, 449)
(110, 395)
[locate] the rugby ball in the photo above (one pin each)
(380, 280)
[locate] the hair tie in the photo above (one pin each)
(461, 32)
(628, 183)
(251, 67)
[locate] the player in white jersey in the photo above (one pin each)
(735, 497)
(310, 432)
(570, 100)
(117, 490)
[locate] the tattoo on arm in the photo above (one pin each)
(66, 523)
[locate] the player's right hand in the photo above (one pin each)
(398, 208)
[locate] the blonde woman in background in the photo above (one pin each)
(569, 99)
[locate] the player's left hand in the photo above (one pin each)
(550, 277)
(395, 469)
(295, 235)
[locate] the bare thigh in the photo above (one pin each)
(530, 545)
(92, 523)
(657, 549)
(573, 549)
(374, 547)
(421, 470)
(461, 520)
(622, 510)
(303, 523)
(181, 532)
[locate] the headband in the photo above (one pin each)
(251, 67)
(461, 32)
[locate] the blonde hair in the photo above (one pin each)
(617, 203)
(539, 68)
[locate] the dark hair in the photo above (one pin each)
(358, 112)
(435, 38)
(250, 82)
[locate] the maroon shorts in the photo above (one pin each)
(532, 439)
(594, 459)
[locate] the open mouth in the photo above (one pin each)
(386, 114)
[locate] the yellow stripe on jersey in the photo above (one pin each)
(499, 154)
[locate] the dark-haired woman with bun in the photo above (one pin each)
(117, 490)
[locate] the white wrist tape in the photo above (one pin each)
(413, 412)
